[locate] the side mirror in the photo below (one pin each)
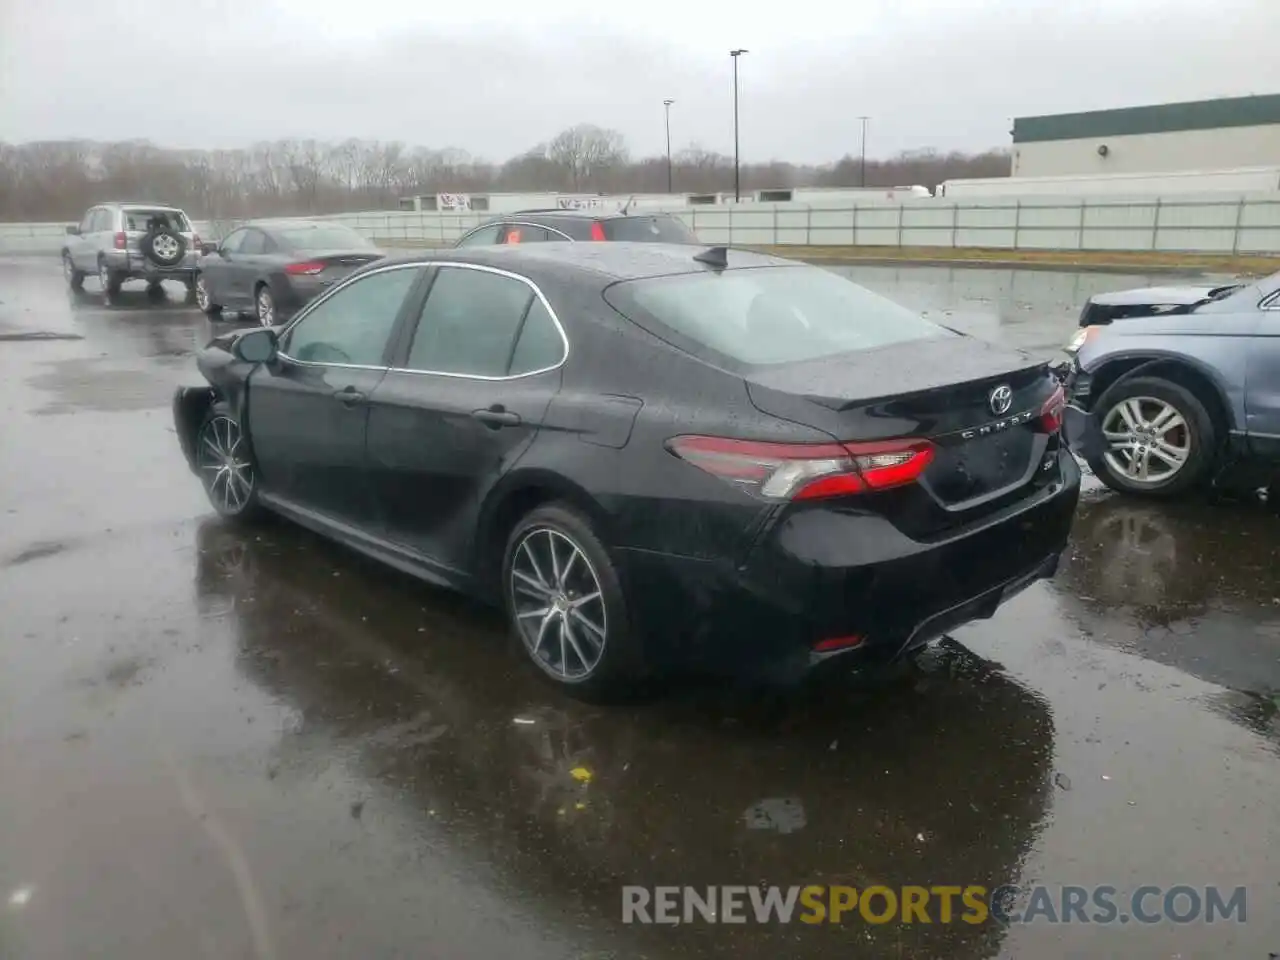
(256, 346)
(73, 231)
(207, 248)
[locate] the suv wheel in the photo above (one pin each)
(110, 279)
(75, 278)
(1160, 440)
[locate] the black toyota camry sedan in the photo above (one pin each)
(651, 456)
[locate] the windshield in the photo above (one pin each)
(769, 315)
(326, 237)
(664, 229)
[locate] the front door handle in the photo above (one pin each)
(349, 396)
(496, 417)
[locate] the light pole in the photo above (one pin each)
(862, 177)
(667, 104)
(737, 181)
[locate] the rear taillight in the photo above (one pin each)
(806, 471)
(121, 241)
(1051, 413)
(307, 269)
(597, 230)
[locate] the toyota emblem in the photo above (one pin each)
(1001, 399)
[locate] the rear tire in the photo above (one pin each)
(110, 279)
(75, 278)
(1161, 440)
(225, 465)
(566, 607)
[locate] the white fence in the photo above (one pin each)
(1239, 225)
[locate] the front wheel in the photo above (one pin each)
(203, 300)
(225, 466)
(565, 604)
(266, 306)
(1160, 441)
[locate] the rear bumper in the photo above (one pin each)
(842, 573)
(134, 265)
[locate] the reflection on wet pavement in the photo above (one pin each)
(218, 741)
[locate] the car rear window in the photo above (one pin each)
(329, 237)
(648, 230)
(172, 219)
(767, 315)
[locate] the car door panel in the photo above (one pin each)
(460, 407)
(308, 427)
(1262, 386)
(309, 409)
(435, 446)
(78, 245)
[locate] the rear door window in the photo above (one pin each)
(255, 242)
(476, 323)
(767, 315)
(664, 229)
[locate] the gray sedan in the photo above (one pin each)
(1171, 388)
(272, 267)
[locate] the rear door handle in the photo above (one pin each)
(349, 396)
(497, 416)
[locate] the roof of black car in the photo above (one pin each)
(284, 222)
(583, 212)
(616, 261)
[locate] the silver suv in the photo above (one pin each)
(131, 241)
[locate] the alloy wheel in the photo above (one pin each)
(104, 276)
(202, 294)
(68, 270)
(223, 464)
(165, 247)
(1148, 440)
(266, 307)
(558, 604)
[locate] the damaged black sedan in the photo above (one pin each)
(652, 456)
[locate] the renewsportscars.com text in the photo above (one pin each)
(971, 904)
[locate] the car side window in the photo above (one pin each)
(353, 324)
(539, 345)
(86, 225)
(101, 221)
(254, 242)
(482, 237)
(231, 242)
(523, 233)
(470, 323)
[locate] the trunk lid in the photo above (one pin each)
(339, 263)
(980, 405)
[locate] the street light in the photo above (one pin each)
(862, 177)
(667, 104)
(737, 181)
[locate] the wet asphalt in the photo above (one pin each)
(218, 743)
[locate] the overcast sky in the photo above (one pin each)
(495, 77)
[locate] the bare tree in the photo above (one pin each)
(58, 180)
